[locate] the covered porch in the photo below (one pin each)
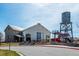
(18, 38)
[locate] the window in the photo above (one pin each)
(38, 36)
(47, 36)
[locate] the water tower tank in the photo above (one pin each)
(66, 17)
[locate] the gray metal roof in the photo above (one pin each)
(16, 27)
(36, 25)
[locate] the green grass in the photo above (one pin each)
(7, 44)
(8, 53)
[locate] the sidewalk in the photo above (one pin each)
(62, 46)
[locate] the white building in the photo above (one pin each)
(12, 33)
(1, 37)
(36, 33)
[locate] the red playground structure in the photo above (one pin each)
(60, 37)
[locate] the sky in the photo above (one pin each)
(48, 14)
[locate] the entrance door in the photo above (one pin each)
(28, 37)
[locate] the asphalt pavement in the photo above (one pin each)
(44, 51)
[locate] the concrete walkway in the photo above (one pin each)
(45, 50)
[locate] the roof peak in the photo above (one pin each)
(38, 23)
(16, 27)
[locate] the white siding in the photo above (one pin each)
(33, 31)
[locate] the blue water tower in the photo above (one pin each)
(66, 24)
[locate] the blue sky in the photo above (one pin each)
(49, 15)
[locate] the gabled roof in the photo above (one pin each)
(15, 27)
(37, 25)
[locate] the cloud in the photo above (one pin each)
(40, 4)
(48, 14)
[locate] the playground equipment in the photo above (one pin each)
(61, 37)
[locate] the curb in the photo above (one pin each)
(20, 53)
(66, 47)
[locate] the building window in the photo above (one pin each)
(47, 37)
(38, 36)
(8, 38)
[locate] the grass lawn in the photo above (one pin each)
(7, 44)
(8, 53)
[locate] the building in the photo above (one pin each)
(36, 33)
(1, 37)
(13, 33)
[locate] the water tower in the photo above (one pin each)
(66, 24)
